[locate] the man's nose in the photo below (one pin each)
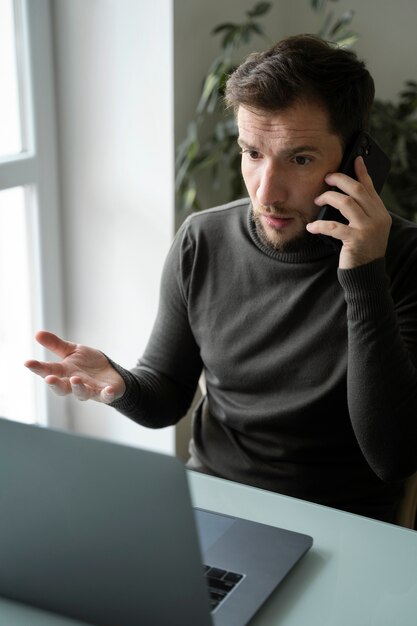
(272, 188)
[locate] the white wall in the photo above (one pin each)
(113, 68)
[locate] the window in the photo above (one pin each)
(17, 393)
(30, 292)
(10, 131)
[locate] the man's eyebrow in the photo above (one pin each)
(301, 148)
(288, 152)
(242, 143)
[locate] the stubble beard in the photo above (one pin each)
(297, 243)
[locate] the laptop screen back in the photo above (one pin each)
(97, 531)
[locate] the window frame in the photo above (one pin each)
(36, 169)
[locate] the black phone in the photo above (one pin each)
(377, 163)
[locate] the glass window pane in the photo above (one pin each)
(10, 130)
(17, 385)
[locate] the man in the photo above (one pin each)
(309, 349)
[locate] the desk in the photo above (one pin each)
(359, 572)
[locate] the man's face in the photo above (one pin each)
(285, 157)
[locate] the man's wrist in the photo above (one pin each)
(366, 289)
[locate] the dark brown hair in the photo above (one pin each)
(306, 68)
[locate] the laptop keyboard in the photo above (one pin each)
(220, 583)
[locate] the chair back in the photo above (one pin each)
(407, 512)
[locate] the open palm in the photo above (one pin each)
(85, 372)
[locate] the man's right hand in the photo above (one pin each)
(82, 371)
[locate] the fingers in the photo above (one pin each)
(83, 372)
(55, 344)
(359, 199)
(365, 236)
(44, 369)
(347, 184)
(83, 391)
(60, 386)
(337, 230)
(80, 390)
(362, 175)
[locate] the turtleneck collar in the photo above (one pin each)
(319, 248)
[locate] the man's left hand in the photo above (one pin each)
(365, 237)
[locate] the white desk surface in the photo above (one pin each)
(359, 572)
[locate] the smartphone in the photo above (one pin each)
(377, 163)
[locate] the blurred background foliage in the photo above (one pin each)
(210, 143)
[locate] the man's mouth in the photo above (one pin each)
(277, 222)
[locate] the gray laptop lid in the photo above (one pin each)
(106, 534)
(97, 531)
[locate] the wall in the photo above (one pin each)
(113, 65)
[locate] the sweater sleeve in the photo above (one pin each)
(382, 368)
(160, 389)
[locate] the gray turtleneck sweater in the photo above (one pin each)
(311, 371)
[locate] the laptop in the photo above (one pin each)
(106, 534)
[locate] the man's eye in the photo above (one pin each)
(302, 160)
(252, 154)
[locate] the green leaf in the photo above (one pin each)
(193, 150)
(318, 5)
(259, 9)
(408, 99)
(234, 38)
(397, 135)
(212, 84)
(189, 197)
(326, 25)
(221, 27)
(347, 42)
(342, 22)
(257, 29)
(248, 30)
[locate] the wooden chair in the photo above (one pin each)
(407, 513)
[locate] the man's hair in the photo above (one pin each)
(304, 68)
